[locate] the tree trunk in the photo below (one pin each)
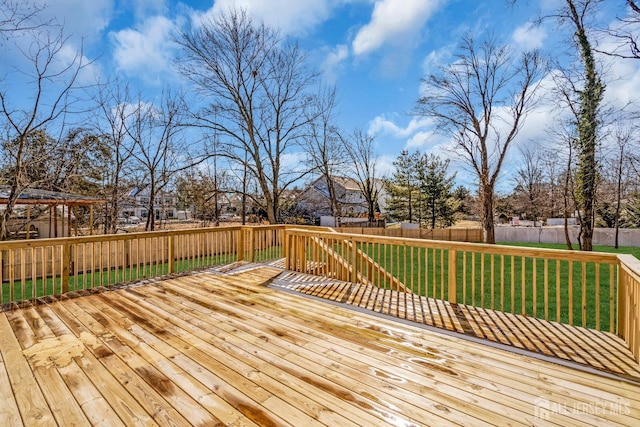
(487, 217)
(618, 198)
(587, 124)
(4, 220)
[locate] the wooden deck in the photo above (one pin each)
(224, 349)
(595, 349)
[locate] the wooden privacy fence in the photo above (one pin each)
(35, 268)
(474, 235)
(592, 290)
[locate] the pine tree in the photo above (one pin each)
(421, 190)
(436, 189)
(403, 187)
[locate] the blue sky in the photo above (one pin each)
(374, 51)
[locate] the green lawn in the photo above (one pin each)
(506, 283)
(80, 281)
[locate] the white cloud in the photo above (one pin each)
(333, 62)
(420, 139)
(147, 48)
(144, 8)
(384, 166)
(382, 125)
(436, 59)
(529, 36)
(290, 16)
(395, 22)
(81, 18)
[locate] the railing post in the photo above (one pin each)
(453, 276)
(251, 244)
(171, 252)
(66, 264)
(621, 329)
(240, 244)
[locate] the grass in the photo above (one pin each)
(553, 290)
(24, 290)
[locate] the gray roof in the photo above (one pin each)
(36, 196)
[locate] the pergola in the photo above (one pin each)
(52, 199)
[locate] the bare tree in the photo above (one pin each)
(530, 183)
(481, 101)
(18, 16)
(113, 108)
(157, 146)
(624, 138)
(624, 32)
(364, 161)
(326, 150)
(257, 89)
(44, 102)
(582, 89)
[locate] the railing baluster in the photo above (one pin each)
(534, 287)
(570, 293)
(502, 282)
(584, 295)
(546, 289)
(482, 257)
(558, 289)
(598, 296)
(473, 278)
(612, 326)
(523, 285)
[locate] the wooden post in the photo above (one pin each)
(28, 221)
(621, 328)
(453, 276)
(171, 252)
(285, 250)
(240, 244)
(251, 244)
(55, 221)
(77, 224)
(91, 220)
(68, 220)
(66, 266)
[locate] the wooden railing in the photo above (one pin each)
(38, 268)
(588, 289)
(593, 290)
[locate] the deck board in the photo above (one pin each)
(221, 348)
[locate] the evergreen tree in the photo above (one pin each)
(436, 190)
(421, 190)
(403, 187)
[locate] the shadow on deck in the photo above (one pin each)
(602, 351)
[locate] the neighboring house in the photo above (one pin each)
(315, 198)
(137, 205)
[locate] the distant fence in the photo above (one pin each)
(601, 236)
(473, 235)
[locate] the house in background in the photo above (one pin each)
(164, 206)
(353, 204)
